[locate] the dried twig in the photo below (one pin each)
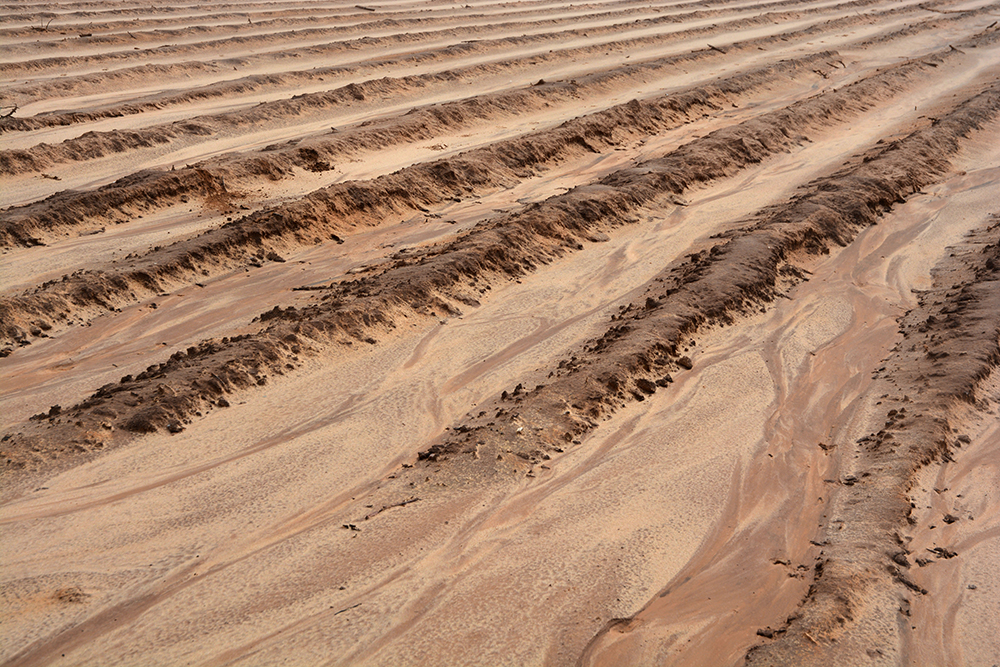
(347, 609)
(389, 507)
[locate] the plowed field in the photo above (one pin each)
(501, 333)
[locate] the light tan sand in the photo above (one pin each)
(298, 524)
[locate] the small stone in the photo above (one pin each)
(646, 386)
(685, 363)
(664, 381)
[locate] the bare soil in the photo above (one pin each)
(533, 333)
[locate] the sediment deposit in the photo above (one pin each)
(505, 333)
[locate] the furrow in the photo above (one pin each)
(13, 162)
(338, 209)
(441, 278)
(34, 219)
(713, 286)
(668, 329)
(104, 35)
(302, 40)
(257, 70)
(24, 225)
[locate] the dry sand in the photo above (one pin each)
(599, 334)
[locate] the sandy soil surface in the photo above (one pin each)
(524, 333)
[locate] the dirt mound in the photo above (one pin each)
(132, 194)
